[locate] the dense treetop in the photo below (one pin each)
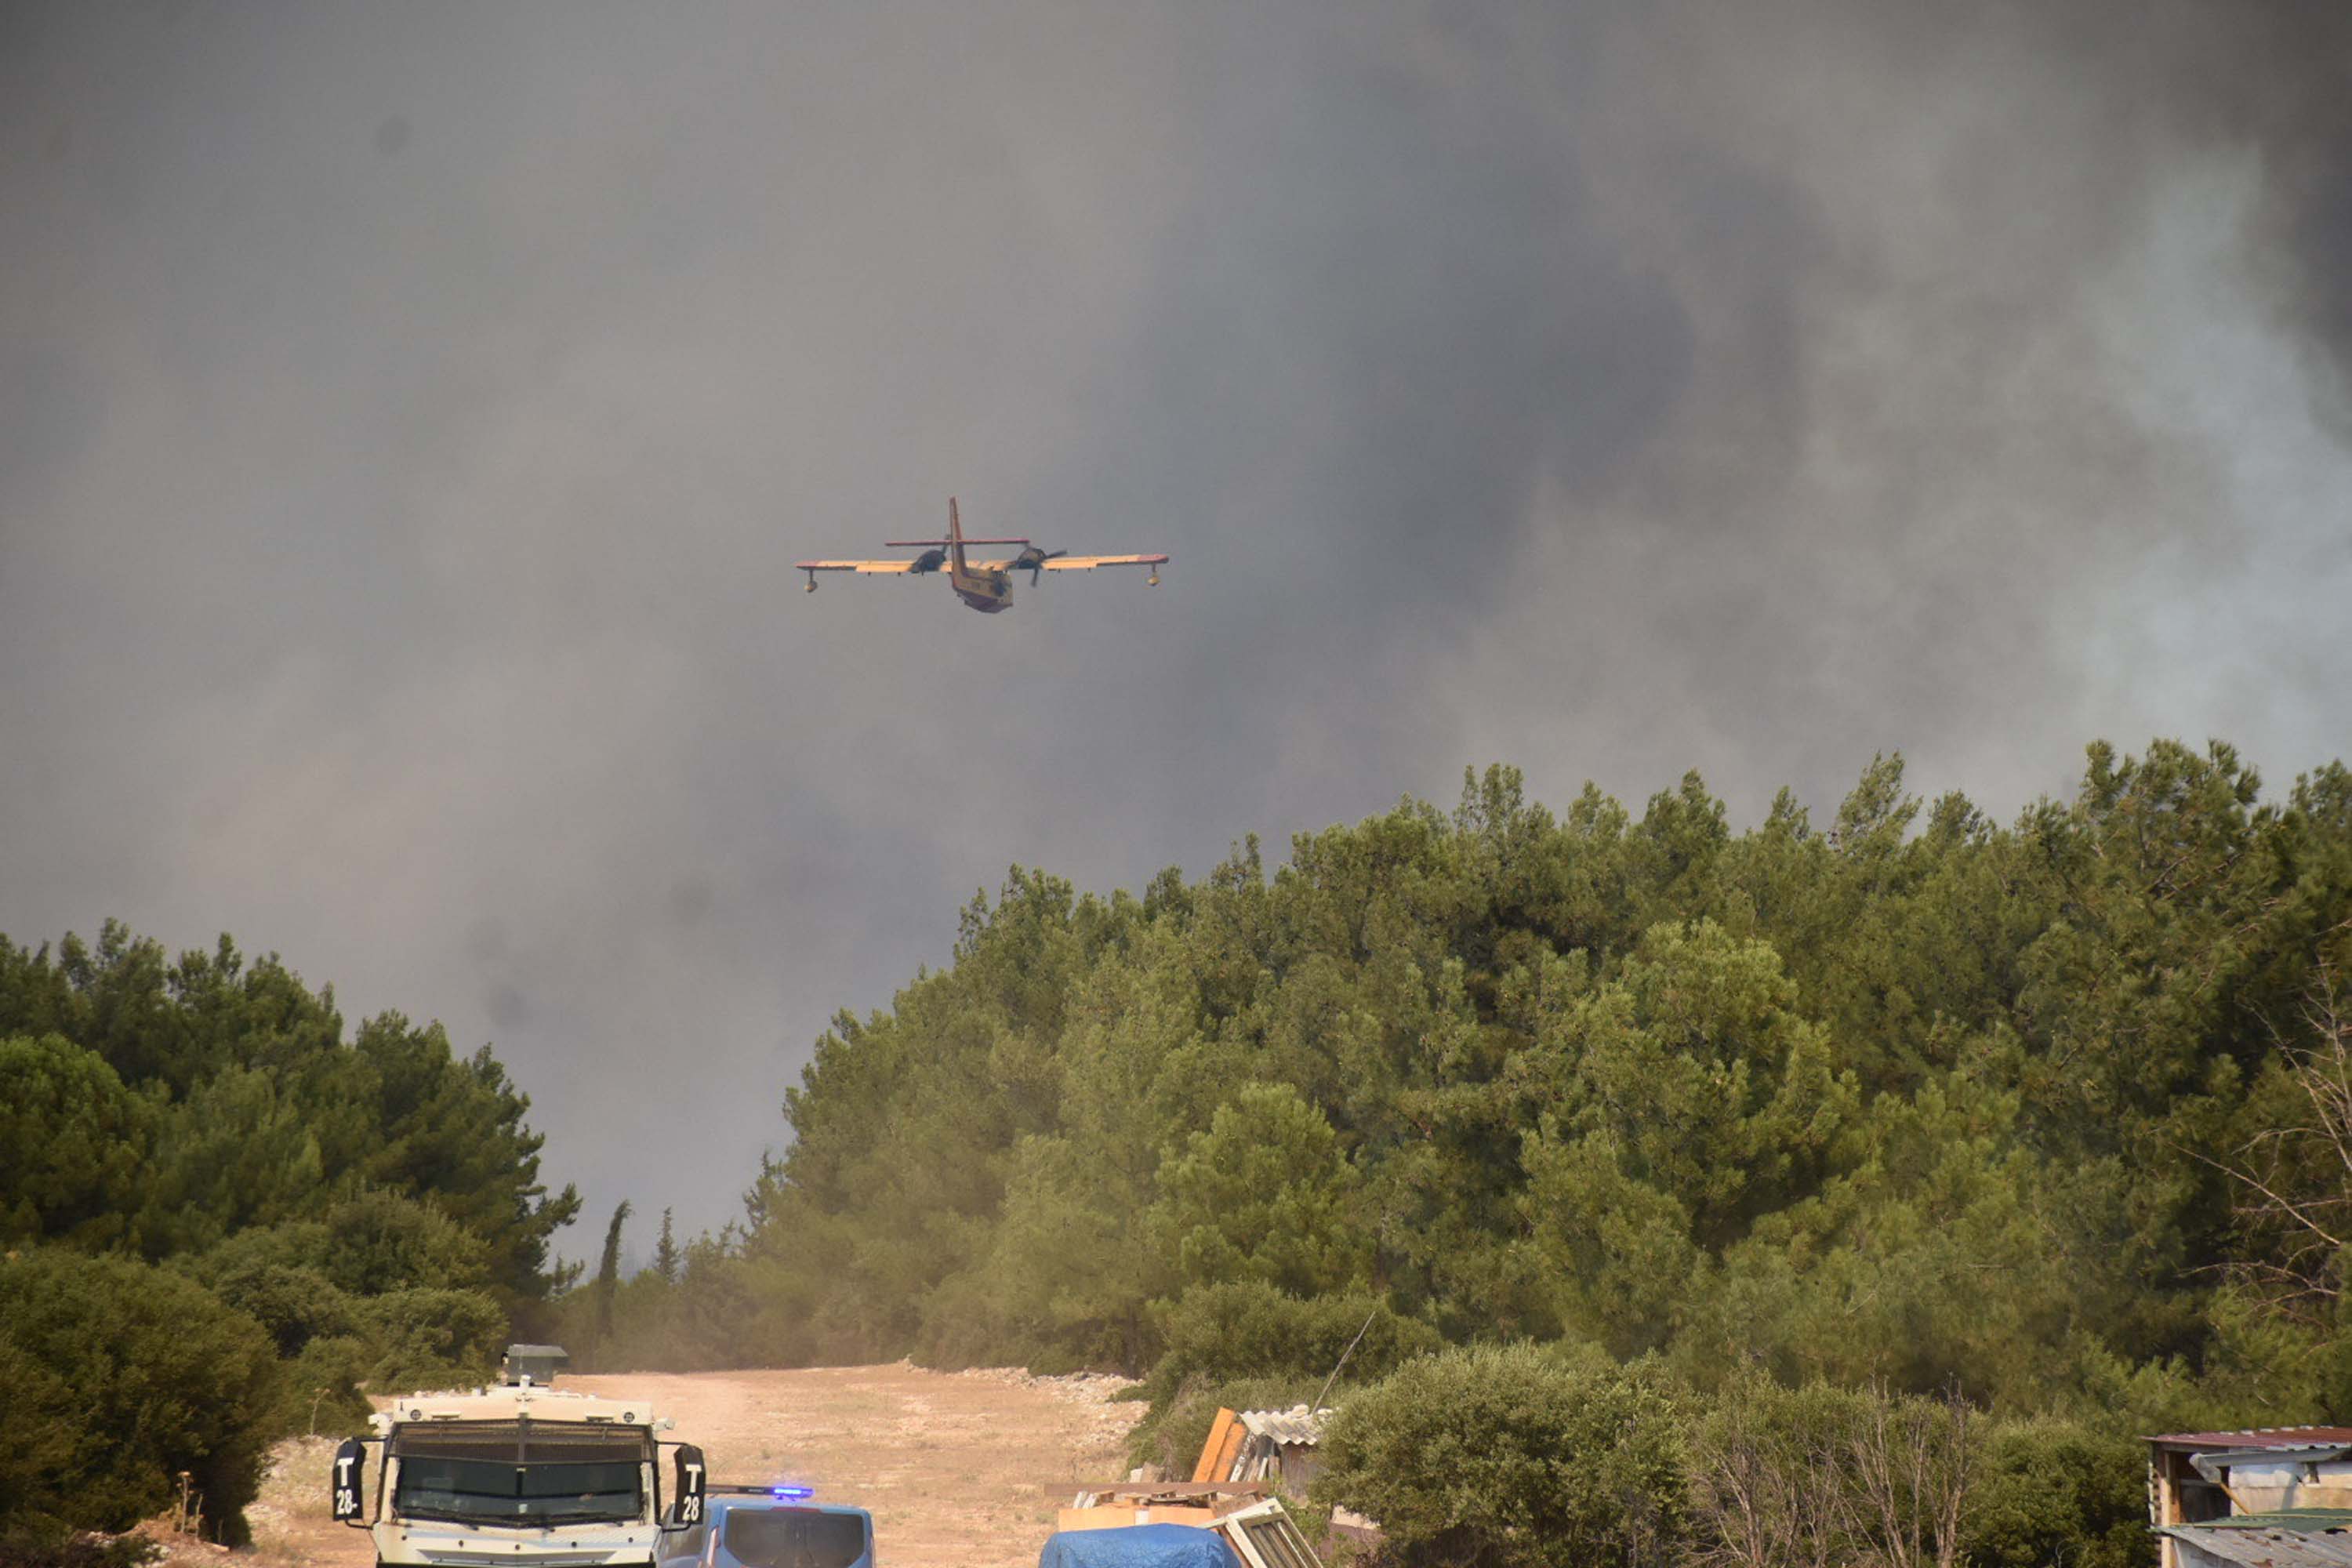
(163, 1105)
(1916, 1099)
(220, 1221)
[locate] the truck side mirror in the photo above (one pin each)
(692, 1480)
(350, 1460)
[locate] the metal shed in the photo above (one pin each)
(2250, 1486)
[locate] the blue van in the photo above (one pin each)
(773, 1527)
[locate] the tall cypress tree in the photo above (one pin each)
(608, 1272)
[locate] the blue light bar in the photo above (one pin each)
(793, 1491)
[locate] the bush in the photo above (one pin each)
(1778, 1473)
(2048, 1492)
(295, 1305)
(41, 1444)
(1225, 1333)
(321, 1389)
(383, 1241)
(430, 1339)
(1246, 1345)
(164, 1377)
(294, 1244)
(1512, 1457)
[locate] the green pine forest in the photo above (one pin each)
(222, 1221)
(1599, 1132)
(1905, 1097)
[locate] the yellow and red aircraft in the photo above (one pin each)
(985, 586)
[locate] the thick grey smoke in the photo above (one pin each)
(408, 416)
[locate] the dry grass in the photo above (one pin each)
(293, 1523)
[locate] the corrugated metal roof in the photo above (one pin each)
(2267, 1548)
(2260, 1438)
(2308, 1521)
(1295, 1427)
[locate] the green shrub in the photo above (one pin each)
(1512, 1457)
(429, 1339)
(42, 1435)
(385, 1241)
(1777, 1473)
(293, 1243)
(164, 1377)
(1244, 1329)
(296, 1305)
(2050, 1493)
(320, 1388)
(1246, 1345)
(370, 1245)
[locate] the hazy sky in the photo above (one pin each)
(409, 414)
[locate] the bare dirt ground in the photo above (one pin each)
(960, 1469)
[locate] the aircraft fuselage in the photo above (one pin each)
(987, 591)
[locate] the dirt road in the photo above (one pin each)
(960, 1469)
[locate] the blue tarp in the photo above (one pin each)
(1138, 1546)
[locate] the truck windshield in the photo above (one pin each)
(516, 1474)
(489, 1492)
(795, 1537)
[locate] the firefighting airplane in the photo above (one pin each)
(985, 586)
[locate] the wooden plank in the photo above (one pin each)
(1216, 1455)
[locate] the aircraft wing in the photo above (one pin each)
(853, 566)
(1088, 563)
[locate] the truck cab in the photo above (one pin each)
(519, 1474)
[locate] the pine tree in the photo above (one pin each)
(665, 1254)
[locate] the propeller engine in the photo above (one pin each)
(1034, 560)
(929, 560)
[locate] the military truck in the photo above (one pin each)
(520, 1473)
